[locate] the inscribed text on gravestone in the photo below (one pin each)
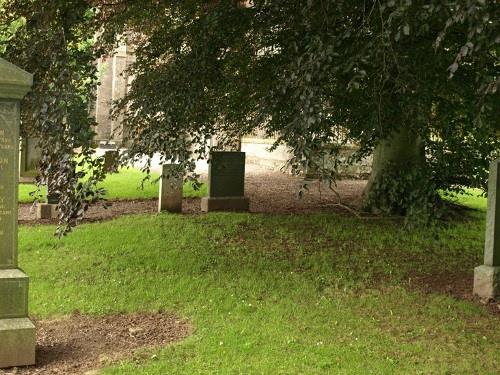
(8, 187)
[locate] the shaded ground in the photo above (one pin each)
(457, 285)
(275, 192)
(79, 345)
(269, 192)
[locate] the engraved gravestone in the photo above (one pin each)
(226, 182)
(171, 184)
(227, 174)
(17, 332)
(8, 186)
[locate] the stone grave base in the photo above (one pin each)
(17, 342)
(27, 180)
(46, 211)
(170, 204)
(225, 204)
(13, 294)
(487, 282)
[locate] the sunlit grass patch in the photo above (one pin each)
(127, 184)
(273, 294)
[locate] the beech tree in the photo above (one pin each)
(323, 73)
(415, 83)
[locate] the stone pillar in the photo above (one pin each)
(17, 332)
(170, 190)
(103, 100)
(114, 82)
(226, 182)
(30, 157)
(487, 276)
(119, 89)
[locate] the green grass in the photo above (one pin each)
(123, 186)
(274, 294)
(473, 199)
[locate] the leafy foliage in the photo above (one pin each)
(482, 20)
(400, 191)
(53, 41)
(316, 73)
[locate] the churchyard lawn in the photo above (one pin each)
(123, 186)
(277, 293)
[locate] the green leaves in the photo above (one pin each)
(318, 74)
(54, 43)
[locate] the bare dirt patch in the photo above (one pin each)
(79, 344)
(454, 284)
(274, 192)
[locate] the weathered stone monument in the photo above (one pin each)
(487, 276)
(17, 332)
(226, 183)
(114, 84)
(48, 210)
(170, 190)
(30, 157)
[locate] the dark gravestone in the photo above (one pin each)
(17, 332)
(226, 182)
(111, 158)
(48, 210)
(53, 198)
(226, 174)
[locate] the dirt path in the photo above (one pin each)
(269, 192)
(80, 345)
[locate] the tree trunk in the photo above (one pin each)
(400, 153)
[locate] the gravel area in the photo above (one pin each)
(269, 192)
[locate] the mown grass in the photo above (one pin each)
(473, 198)
(274, 294)
(127, 184)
